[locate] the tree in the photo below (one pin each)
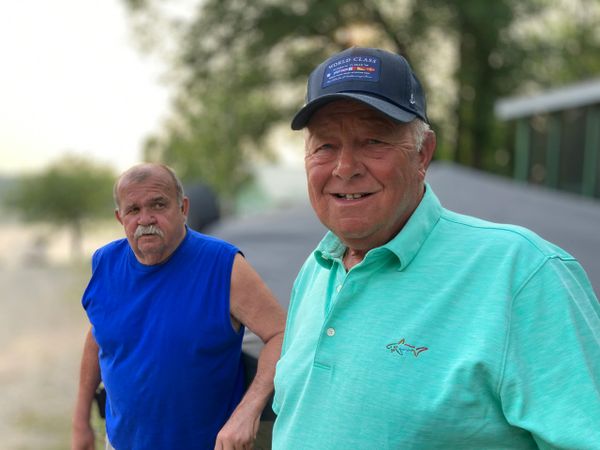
(215, 139)
(241, 66)
(67, 193)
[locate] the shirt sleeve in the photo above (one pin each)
(551, 376)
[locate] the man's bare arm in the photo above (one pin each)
(89, 379)
(253, 305)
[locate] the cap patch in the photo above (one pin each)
(358, 68)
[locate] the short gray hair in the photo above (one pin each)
(419, 129)
(140, 172)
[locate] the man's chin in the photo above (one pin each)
(352, 228)
(149, 247)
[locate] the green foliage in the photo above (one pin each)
(217, 130)
(71, 189)
(241, 67)
(68, 192)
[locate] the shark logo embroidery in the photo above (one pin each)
(401, 347)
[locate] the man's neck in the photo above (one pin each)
(352, 257)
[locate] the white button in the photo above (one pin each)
(330, 331)
(338, 288)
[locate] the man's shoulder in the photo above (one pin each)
(481, 231)
(205, 242)
(112, 247)
(111, 251)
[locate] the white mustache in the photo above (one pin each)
(142, 230)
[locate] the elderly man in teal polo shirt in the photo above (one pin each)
(411, 326)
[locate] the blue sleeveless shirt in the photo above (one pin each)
(169, 357)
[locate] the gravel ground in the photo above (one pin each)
(42, 327)
(41, 330)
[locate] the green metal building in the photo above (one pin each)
(556, 137)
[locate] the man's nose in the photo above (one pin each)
(146, 217)
(348, 165)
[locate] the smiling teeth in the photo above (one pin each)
(350, 196)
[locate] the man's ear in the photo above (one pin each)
(118, 216)
(185, 206)
(427, 151)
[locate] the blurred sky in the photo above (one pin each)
(73, 81)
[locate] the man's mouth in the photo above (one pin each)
(353, 196)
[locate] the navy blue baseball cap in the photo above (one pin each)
(378, 78)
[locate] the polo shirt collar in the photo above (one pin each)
(405, 245)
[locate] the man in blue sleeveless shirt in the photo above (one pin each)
(167, 308)
(411, 326)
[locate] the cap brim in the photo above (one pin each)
(394, 112)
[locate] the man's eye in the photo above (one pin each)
(374, 142)
(324, 147)
(159, 205)
(132, 210)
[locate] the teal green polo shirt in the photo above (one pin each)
(457, 334)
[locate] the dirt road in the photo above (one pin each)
(42, 326)
(41, 330)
